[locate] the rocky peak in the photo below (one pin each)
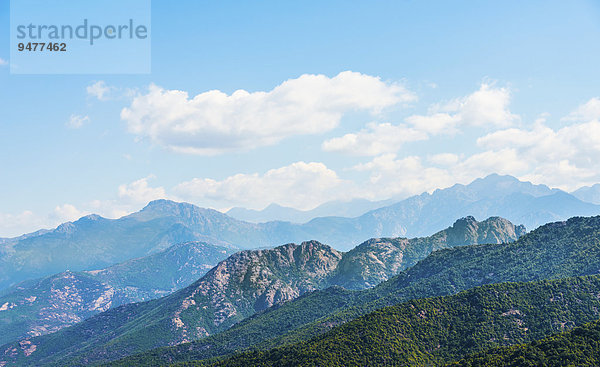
(91, 217)
(67, 228)
(314, 257)
(253, 280)
(505, 184)
(168, 208)
(468, 231)
(311, 258)
(463, 231)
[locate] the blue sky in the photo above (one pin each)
(343, 99)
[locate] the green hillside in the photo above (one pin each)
(577, 347)
(434, 331)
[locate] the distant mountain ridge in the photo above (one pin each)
(275, 212)
(95, 242)
(40, 306)
(251, 281)
(590, 194)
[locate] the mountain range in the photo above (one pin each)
(553, 251)
(271, 299)
(358, 207)
(40, 306)
(251, 281)
(94, 242)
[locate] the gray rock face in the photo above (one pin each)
(467, 231)
(251, 281)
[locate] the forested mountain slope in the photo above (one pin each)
(555, 250)
(435, 331)
(577, 347)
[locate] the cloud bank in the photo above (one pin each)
(214, 122)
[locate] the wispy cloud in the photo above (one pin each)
(77, 121)
(586, 112)
(99, 90)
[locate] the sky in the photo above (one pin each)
(300, 103)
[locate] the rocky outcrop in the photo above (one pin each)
(376, 260)
(251, 281)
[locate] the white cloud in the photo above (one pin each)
(104, 92)
(300, 185)
(565, 157)
(3, 62)
(504, 161)
(17, 224)
(375, 139)
(13, 225)
(140, 192)
(130, 197)
(444, 159)
(214, 122)
(400, 177)
(391, 176)
(67, 213)
(99, 90)
(77, 121)
(435, 123)
(586, 112)
(111, 208)
(486, 107)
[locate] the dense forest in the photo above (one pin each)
(578, 347)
